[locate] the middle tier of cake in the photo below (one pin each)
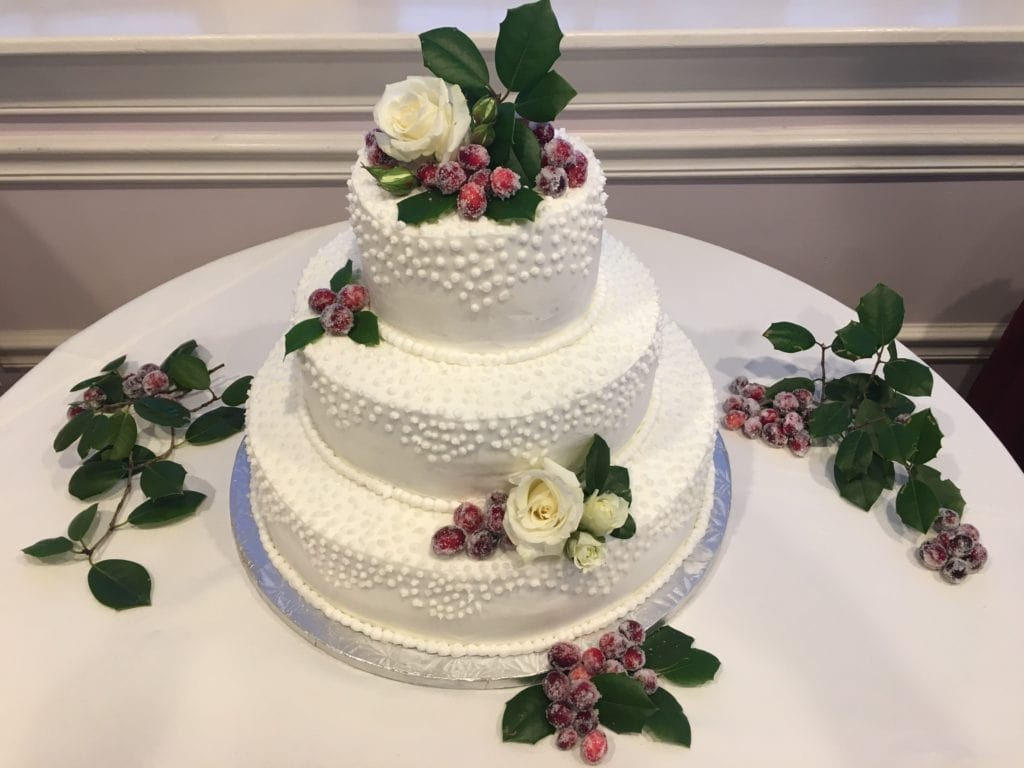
(412, 420)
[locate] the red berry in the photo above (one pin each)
(579, 672)
(564, 655)
(321, 299)
(148, 368)
(593, 660)
(734, 419)
(481, 545)
(474, 157)
(585, 721)
(557, 152)
(977, 557)
(732, 403)
(750, 406)
(785, 402)
(482, 179)
(804, 396)
(756, 391)
(557, 685)
(752, 427)
(94, 397)
(354, 296)
(427, 174)
(800, 443)
(504, 182)
(945, 538)
(155, 382)
(769, 415)
(472, 201)
(449, 177)
(552, 181)
(613, 667)
(544, 132)
(566, 738)
(584, 694)
(494, 517)
(74, 410)
(447, 541)
(969, 530)
(961, 545)
(560, 714)
(792, 423)
(648, 678)
(497, 497)
(376, 156)
(337, 320)
(613, 645)
(370, 139)
(932, 554)
(633, 631)
(773, 435)
(634, 658)
(131, 383)
(594, 746)
(955, 570)
(947, 520)
(576, 169)
(737, 385)
(469, 517)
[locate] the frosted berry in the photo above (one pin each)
(961, 545)
(732, 403)
(613, 667)
(945, 538)
(593, 660)
(613, 645)
(969, 530)
(566, 738)
(576, 169)
(564, 655)
(584, 694)
(737, 385)
(633, 631)
(94, 397)
(800, 443)
(481, 545)
(148, 368)
(557, 152)
(448, 540)
(494, 517)
(734, 419)
(497, 497)
(468, 517)
(585, 721)
(504, 182)
(482, 179)
(751, 407)
(756, 391)
(321, 299)
(955, 570)
(785, 402)
(75, 410)
(155, 382)
(449, 178)
(544, 132)
(354, 296)
(752, 427)
(792, 423)
(337, 320)
(472, 201)
(977, 557)
(579, 672)
(427, 174)
(946, 520)
(370, 139)
(474, 157)
(803, 396)
(556, 685)
(377, 156)
(932, 555)
(594, 746)
(560, 714)
(773, 435)
(131, 383)
(769, 415)
(552, 181)
(648, 678)
(634, 658)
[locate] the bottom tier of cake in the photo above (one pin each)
(365, 560)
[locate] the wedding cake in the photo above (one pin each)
(486, 435)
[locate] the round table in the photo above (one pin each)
(836, 647)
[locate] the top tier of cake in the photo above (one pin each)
(464, 286)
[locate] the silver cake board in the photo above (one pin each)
(414, 666)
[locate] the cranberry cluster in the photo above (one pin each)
(477, 531)
(337, 310)
(147, 381)
(564, 166)
(573, 709)
(471, 179)
(956, 552)
(778, 422)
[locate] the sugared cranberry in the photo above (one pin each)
(773, 435)
(752, 427)
(932, 555)
(946, 520)
(155, 382)
(354, 296)
(544, 132)
(579, 672)
(613, 645)
(564, 655)
(370, 139)
(449, 178)
(481, 178)
(494, 518)
(576, 169)
(734, 420)
(472, 201)
(593, 660)
(785, 402)
(585, 721)
(504, 182)
(977, 557)
(613, 667)
(732, 403)
(321, 299)
(427, 174)
(768, 415)
(969, 530)
(634, 658)
(94, 397)
(792, 423)
(737, 385)
(468, 517)
(566, 738)
(148, 368)
(552, 181)
(557, 152)
(594, 746)
(448, 540)
(556, 685)
(961, 544)
(481, 545)
(633, 631)
(648, 678)
(474, 157)
(74, 410)
(584, 694)
(560, 714)
(751, 407)
(337, 319)
(377, 156)
(131, 383)
(497, 497)
(800, 443)
(803, 396)
(756, 391)
(955, 570)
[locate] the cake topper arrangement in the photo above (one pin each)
(343, 309)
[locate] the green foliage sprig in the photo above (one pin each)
(870, 415)
(365, 326)
(599, 475)
(106, 438)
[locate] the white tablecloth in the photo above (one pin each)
(836, 648)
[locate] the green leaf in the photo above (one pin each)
(840, 350)
(112, 388)
(365, 329)
(697, 668)
(854, 454)
(113, 365)
(625, 531)
(546, 98)
(666, 647)
(72, 430)
(95, 478)
(452, 56)
(909, 377)
(188, 372)
(528, 44)
(858, 340)
(927, 437)
(82, 523)
(165, 509)
(123, 432)
(342, 277)
(864, 488)
(522, 206)
(162, 478)
(946, 492)
(669, 723)
(829, 418)
(185, 348)
(900, 404)
(49, 547)
(237, 392)
(426, 206)
(92, 381)
(524, 718)
(302, 333)
(595, 466)
(893, 352)
(527, 151)
(120, 584)
(99, 433)
(161, 411)
(789, 337)
(617, 482)
(624, 705)
(216, 425)
(848, 389)
(504, 132)
(917, 505)
(881, 311)
(788, 385)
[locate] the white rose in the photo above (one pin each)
(543, 510)
(603, 513)
(586, 551)
(421, 117)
